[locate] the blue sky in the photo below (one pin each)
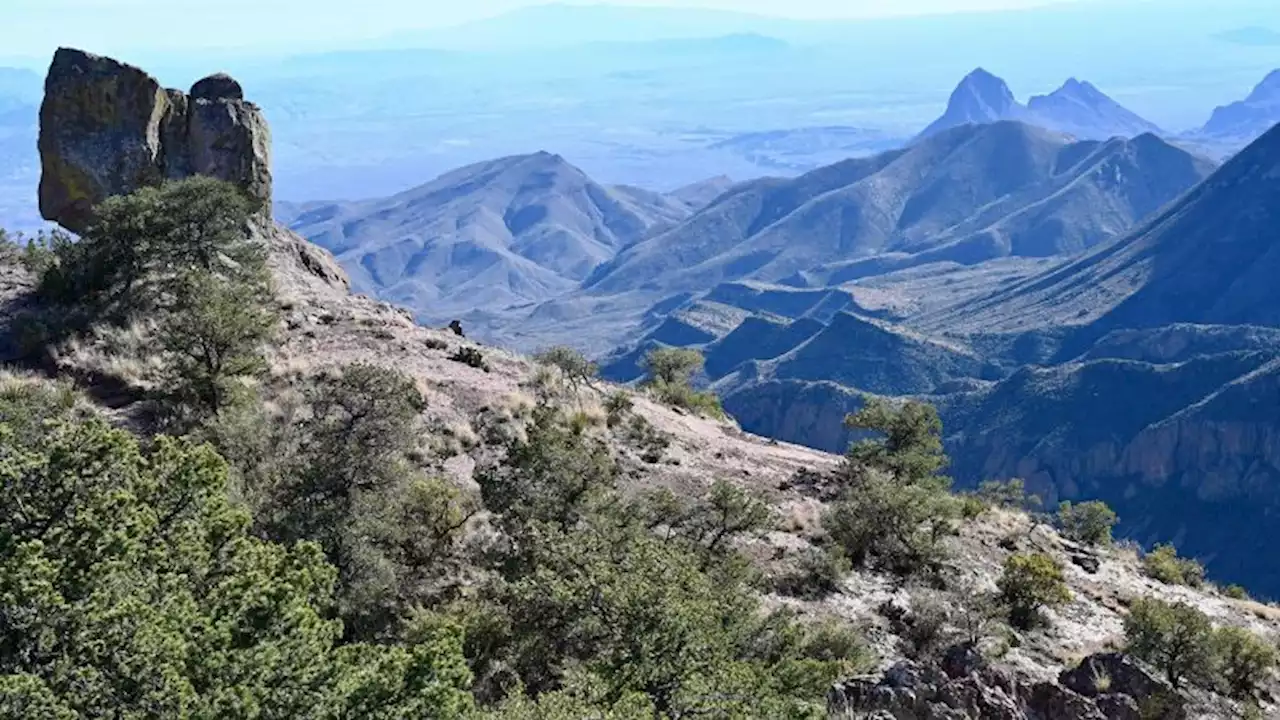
(33, 27)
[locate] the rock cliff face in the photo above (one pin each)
(107, 128)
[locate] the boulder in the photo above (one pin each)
(1087, 562)
(1105, 674)
(1052, 701)
(218, 86)
(975, 698)
(961, 660)
(108, 128)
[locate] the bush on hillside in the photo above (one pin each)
(578, 371)
(471, 357)
(214, 338)
(135, 257)
(1243, 661)
(894, 510)
(1176, 638)
(816, 574)
(669, 376)
(671, 618)
(1009, 494)
(1089, 522)
(907, 441)
(1163, 564)
(898, 528)
(350, 486)
(1031, 582)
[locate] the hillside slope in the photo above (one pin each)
(1209, 258)
(965, 195)
(508, 231)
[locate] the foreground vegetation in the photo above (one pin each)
(236, 559)
(309, 566)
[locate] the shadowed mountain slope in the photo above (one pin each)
(1212, 257)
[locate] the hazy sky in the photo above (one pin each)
(33, 27)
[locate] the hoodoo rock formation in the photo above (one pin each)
(108, 128)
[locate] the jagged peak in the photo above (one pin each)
(985, 85)
(980, 97)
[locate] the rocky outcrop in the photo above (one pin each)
(1120, 682)
(107, 128)
(1108, 686)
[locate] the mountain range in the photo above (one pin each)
(966, 195)
(1144, 372)
(1077, 108)
(507, 232)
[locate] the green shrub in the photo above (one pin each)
(899, 528)
(976, 613)
(142, 244)
(1007, 494)
(470, 357)
(1029, 583)
(908, 442)
(1243, 660)
(894, 509)
(1089, 522)
(683, 396)
(1236, 592)
(602, 599)
(351, 487)
(1181, 642)
(616, 406)
(578, 371)
(1163, 564)
(214, 338)
(669, 376)
(926, 630)
(1176, 638)
(971, 507)
(131, 587)
(648, 440)
(671, 366)
(817, 574)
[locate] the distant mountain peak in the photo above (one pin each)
(1251, 117)
(1268, 90)
(1077, 108)
(991, 91)
(1079, 88)
(980, 98)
